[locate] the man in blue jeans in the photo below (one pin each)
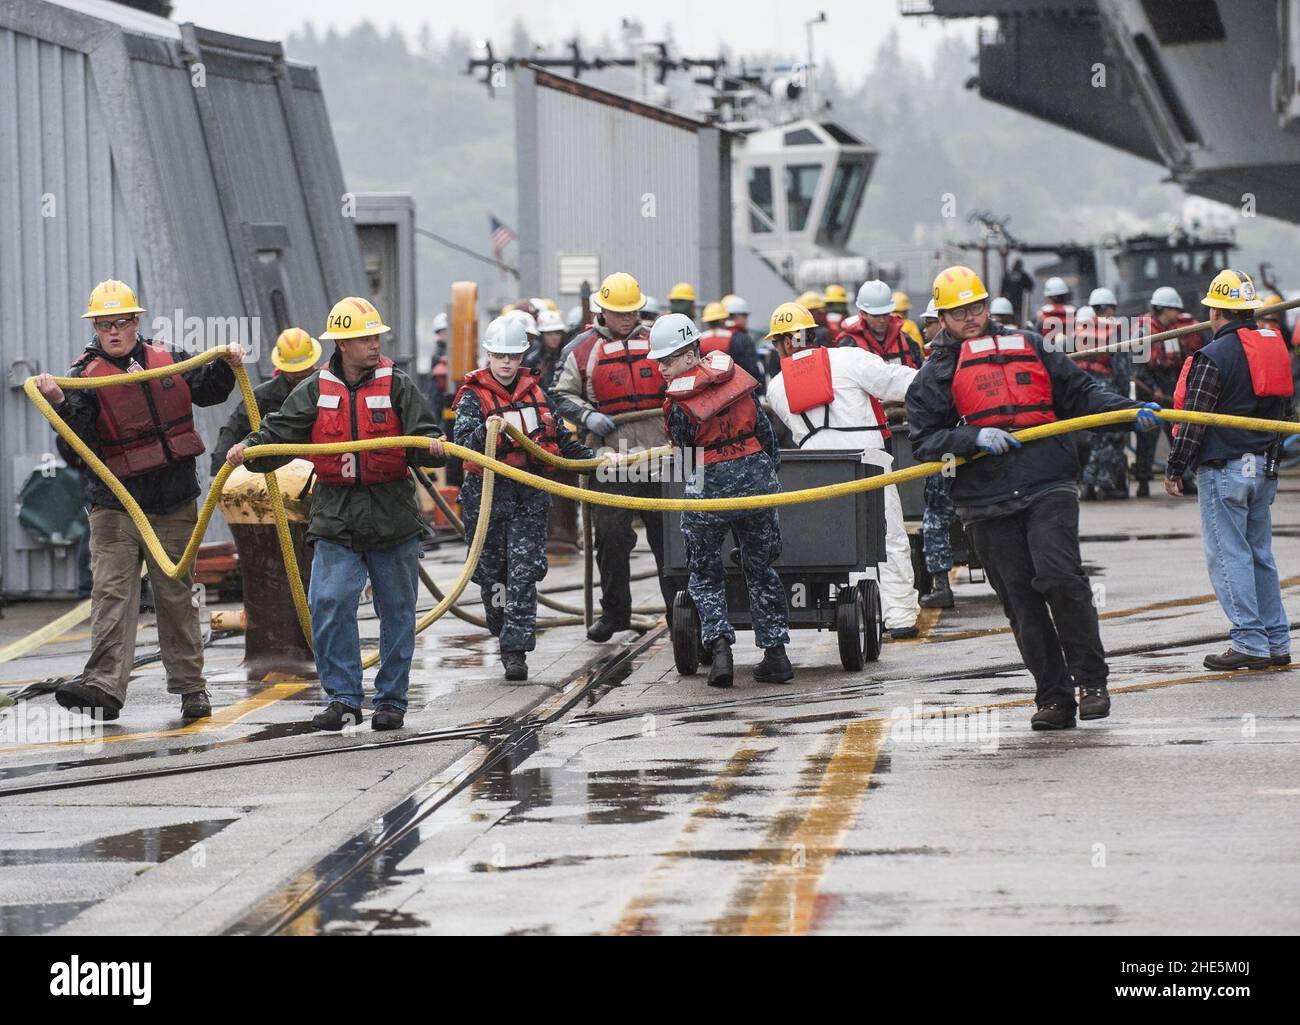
(364, 516)
(1244, 371)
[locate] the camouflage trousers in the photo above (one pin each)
(936, 524)
(514, 557)
(1107, 466)
(758, 535)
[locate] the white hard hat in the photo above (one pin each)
(1056, 286)
(932, 314)
(1001, 307)
(506, 335)
(1102, 297)
(671, 334)
(530, 325)
(549, 321)
(439, 322)
(651, 306)
(876, 298)
(573, 319)
(539, 304)
(1168, 297)
(1084, 314)
(735, 305)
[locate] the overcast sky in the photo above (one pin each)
(849, 35)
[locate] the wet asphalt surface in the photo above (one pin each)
(910, 797)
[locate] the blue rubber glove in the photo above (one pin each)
(1147, 419)
(996, 441)
(599, 424)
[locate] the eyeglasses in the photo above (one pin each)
(114, 325)
(969, 311)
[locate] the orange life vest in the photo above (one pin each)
(1000, 381)
(807, 377)
(716, 339)
(524, 406)
(893, 348)
(717, 397)
(1055, 321)
(1266, 357)
(618, 375)
(345, 415)
(144, 427)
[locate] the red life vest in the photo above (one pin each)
(1088, 337)
(618, 375)
(894, 348)
(343, 415)
(833, 322)
(524, 406)
(717, 398)
(1055, 321)
(806, 375)
(144, 427)
(1269, 363)
(1000, 381)
(717, 339)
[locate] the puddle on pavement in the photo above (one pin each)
(154, 844)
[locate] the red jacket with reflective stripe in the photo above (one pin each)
(146, 426)
(524, 406)
(1001, 382)
(717, 397)
(346, 415)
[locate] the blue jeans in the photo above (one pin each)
(1237, 531)
(337, 576)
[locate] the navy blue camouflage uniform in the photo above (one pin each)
(1106, 468)
(757, 532)
(514, 553)
(936, 524)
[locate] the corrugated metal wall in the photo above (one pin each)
(620, 181)
(62, 224)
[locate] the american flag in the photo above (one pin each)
(501, 237)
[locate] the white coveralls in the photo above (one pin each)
(856, 375)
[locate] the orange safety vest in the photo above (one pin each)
(807, 377)
(524, 406)
(618, 374)
(717, 398)
(1266, 357)
(1000, 381)
(346, 415)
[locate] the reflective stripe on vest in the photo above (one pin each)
(717, 398)
(144, 427)
(524, 406)
(367, 413)
(1000, 381)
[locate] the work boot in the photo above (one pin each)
(775, 667)
(722, 670)
(1053, 717)
(387, 717)
(1094, 702)
(1144, 489)
(196, 705)
(904, 633)
(940, 596)
(1234, 659)
(1282, 658)
(336, 717)
(88, 700)
(603, 629)
(516, 665)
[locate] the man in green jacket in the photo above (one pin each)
(364, 516)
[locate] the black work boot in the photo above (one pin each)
(1234, 659)
(603, 629)
(1053, 717)
(336, 717)
(1282, 658)
(88, 700)
(196, 705)
(387, 717)
(775, 667)
(721, 672)
(940, 596)
(1144, 489)
(516, 665)
(1094, 702)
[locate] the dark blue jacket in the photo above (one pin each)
(1237, 398)
(936, 430)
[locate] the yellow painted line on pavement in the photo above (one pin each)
(51, 630)
(220, 719)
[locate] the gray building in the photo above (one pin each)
(198, 167)
(608, 183)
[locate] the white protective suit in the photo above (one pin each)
(856, 375)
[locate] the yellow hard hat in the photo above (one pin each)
(551, 305)
(811, 301)
(1232, 290)
(112, 298)
(728, 299)
(788, 318)
(901, 302)
(958, 286)
(295, 350)
(1272, 299)
(354, 317)
(507, 308)
(836, 294)
(619, 293)
(713, 313)
(682, 292)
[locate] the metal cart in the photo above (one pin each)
(821, 544)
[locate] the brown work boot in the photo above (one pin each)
(1053, 717)
(1094, 702)
(88, 700)
(196, 705)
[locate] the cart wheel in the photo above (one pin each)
(874, 626)
(920, 575)
(850, 615)
(686, 634)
